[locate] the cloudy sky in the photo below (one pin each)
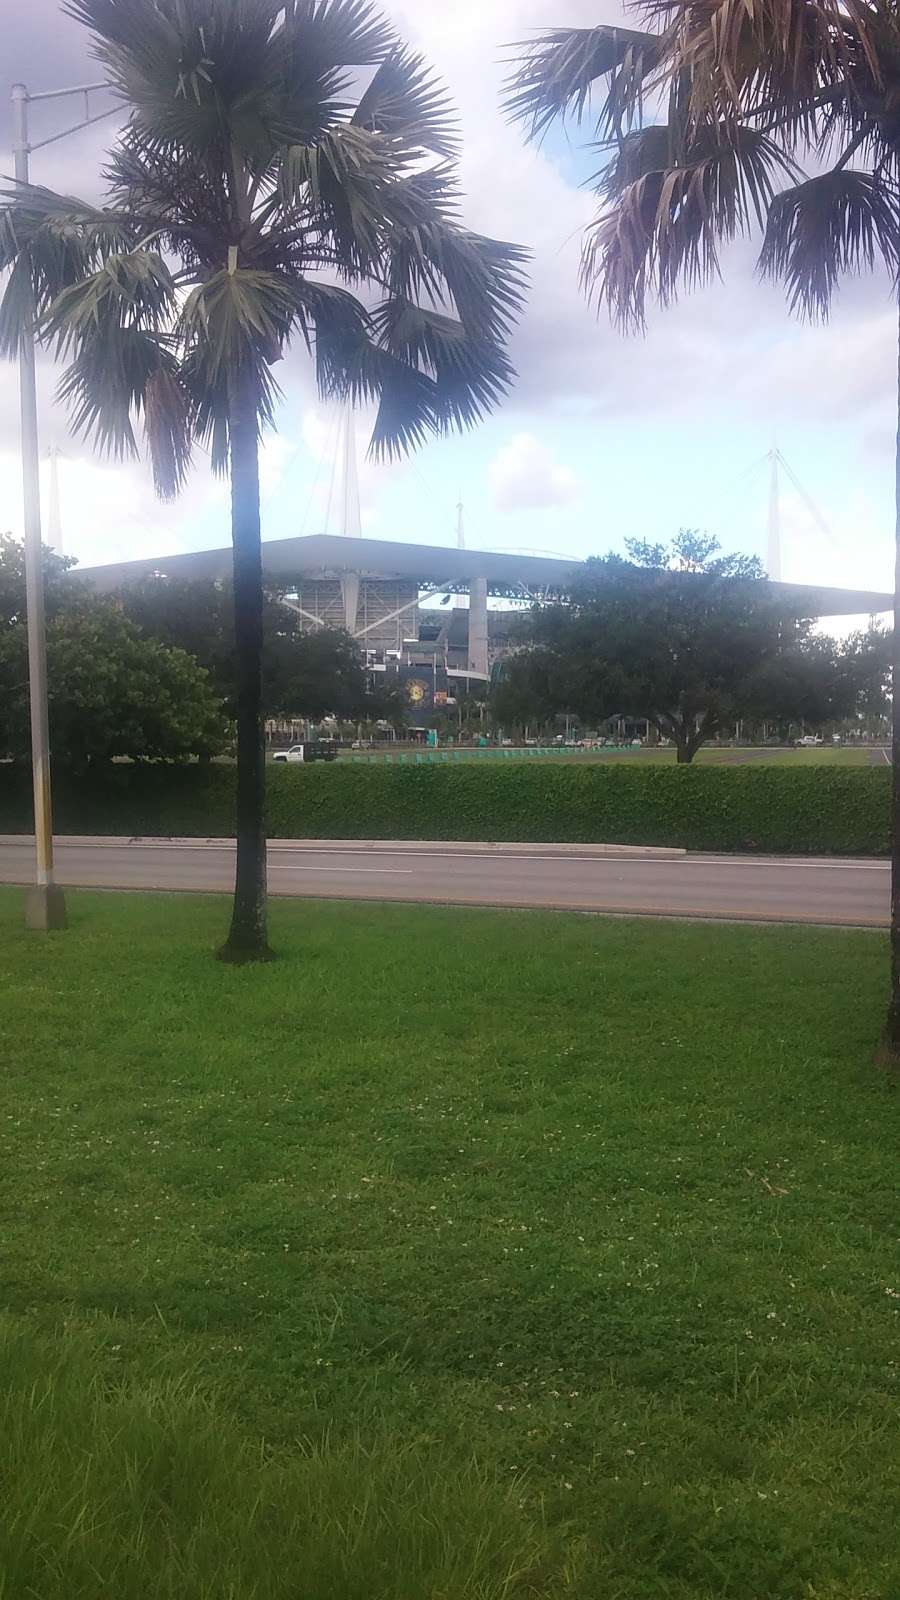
(602, 438)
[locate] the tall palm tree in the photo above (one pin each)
(286, 172)
(704, 118)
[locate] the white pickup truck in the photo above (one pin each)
(310, 750)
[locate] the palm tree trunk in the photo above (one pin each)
(888, 1054)
(247, 939)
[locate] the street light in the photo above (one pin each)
(45, 906)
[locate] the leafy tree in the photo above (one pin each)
(303, 673)
(251, 202)
(821, 680)
(865, 663)
(682, 636)
(531, 688)
(112, 692)
(313, 674)
(388, 702)
(705, 120)
(59, 586)
(194, 615)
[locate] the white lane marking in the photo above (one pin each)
(389, 872)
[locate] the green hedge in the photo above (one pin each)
(809, 810)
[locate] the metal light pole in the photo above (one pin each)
(45, 906)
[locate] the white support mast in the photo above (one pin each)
(351, 522)
(460, 526)
(773, 556)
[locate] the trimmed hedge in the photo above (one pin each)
(808, 810)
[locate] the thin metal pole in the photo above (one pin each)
(774, 530)
(46, 908)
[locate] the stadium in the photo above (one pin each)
(397, 600)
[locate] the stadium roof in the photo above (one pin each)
(431, 566)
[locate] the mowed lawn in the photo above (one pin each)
(454, 1254)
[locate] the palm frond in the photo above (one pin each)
(241, 318)
(132, 289)
(341, 180)
(667, 223)
(407, 103)
(470, 373)
(32, 207)
(558, 72)
(327, 311)
(360, 370)
(178, 192)
(341, 33)
(839, 222)
(482, 280)
(193, 74)
(168, 423)
(106, 381)
(53, 241)
(208, 401)
(781, 57)
(16, 307)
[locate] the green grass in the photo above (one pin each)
(453, 1255)
(132, 1487)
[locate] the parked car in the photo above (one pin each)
(310, 750)
(809, 740)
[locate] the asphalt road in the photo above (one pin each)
(837, 892)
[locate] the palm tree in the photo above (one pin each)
(286, 172)
(703, 118)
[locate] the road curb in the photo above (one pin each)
(391, 846)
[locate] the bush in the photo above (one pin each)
(809, 810)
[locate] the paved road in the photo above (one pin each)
(855, 893)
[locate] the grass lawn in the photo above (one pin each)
(456, 1254)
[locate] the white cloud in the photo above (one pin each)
(525, 476)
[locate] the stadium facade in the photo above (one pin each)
(397, 600)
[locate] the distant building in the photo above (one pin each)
(396, 600)
(383, 593)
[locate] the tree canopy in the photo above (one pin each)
(112, 691)
(704, 121)
(304, 673)
(285, 172)
(685, 637)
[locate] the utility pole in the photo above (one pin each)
(45, 906)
